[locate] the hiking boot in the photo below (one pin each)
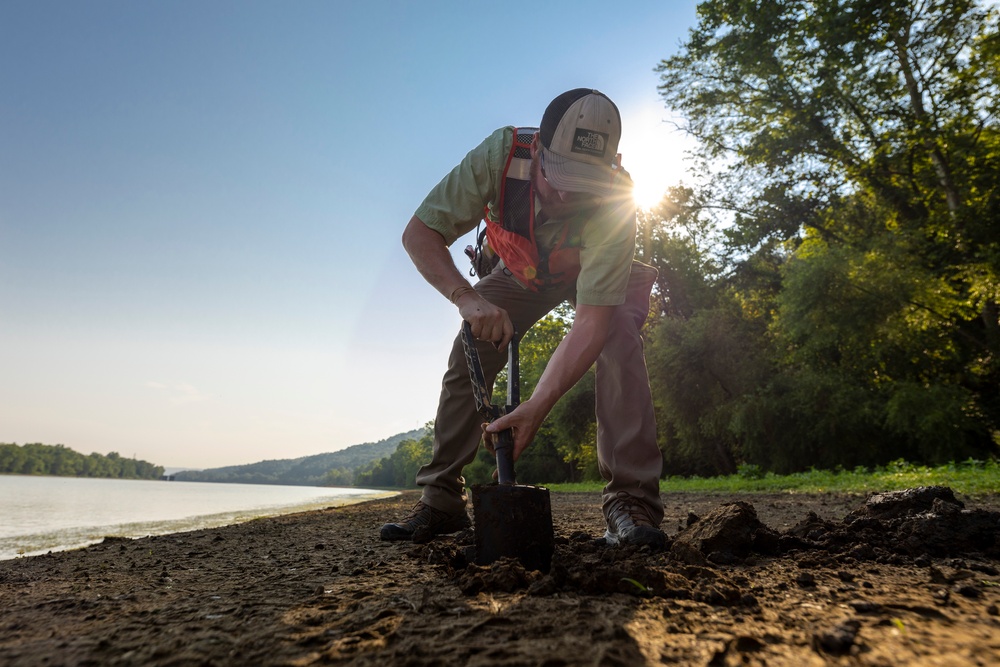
(629, 523)
(424, 522)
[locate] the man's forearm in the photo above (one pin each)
(576, 353)
(428, 252)
(430, 255)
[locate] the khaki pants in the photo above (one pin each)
(627, 454)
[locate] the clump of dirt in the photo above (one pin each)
(926, 521)
(724, 536)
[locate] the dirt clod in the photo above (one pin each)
(838, 639)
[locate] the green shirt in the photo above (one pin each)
(455, 206)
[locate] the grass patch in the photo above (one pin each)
(970, 478)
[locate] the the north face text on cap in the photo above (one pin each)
(590, 142)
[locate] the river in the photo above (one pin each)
(41, 514)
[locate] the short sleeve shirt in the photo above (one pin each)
(455, 206)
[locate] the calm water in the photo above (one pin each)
(40, 514)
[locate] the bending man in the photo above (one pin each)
(561, 220)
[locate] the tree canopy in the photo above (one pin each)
(858, 205)
(57, 460)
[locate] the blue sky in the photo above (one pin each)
(201, 205)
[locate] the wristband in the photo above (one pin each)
(459, 291)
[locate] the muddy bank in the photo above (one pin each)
(763, 579)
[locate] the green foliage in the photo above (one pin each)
(399, 469)
(480, 471)
(573, 430)
(750, 471)
(705, 348)
(800, 418)
(679, 240)
(700, 369)
(58, 460)
(338, 477)
(970, 477)
(849, 314)
(535, 348)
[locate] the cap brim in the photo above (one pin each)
(571, 175)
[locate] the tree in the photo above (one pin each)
(12, 458)
(399, 469)
(702, 350)
(338, 477)
(860, 174)
(59, 460)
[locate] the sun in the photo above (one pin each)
(647, 191)
(655, 166)
(653, 153)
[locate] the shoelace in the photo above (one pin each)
(626, 505)
(422, 515)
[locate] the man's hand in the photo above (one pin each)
(525, 420)
(489, 323)
(490, 442)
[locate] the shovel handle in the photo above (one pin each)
(504, 442)
(504, 447)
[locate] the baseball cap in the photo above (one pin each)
(579, 134)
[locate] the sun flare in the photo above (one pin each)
(653, 154)
(647, 192)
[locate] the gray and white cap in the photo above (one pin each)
(579, 134)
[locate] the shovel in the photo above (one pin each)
(512, 520)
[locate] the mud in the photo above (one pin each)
(904, 578)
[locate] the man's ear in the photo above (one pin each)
(535, 144)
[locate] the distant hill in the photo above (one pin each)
(331, 469)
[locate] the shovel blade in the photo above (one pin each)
(515, 521)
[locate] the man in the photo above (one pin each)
(560, 216)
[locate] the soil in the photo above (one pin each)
(790, 579)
